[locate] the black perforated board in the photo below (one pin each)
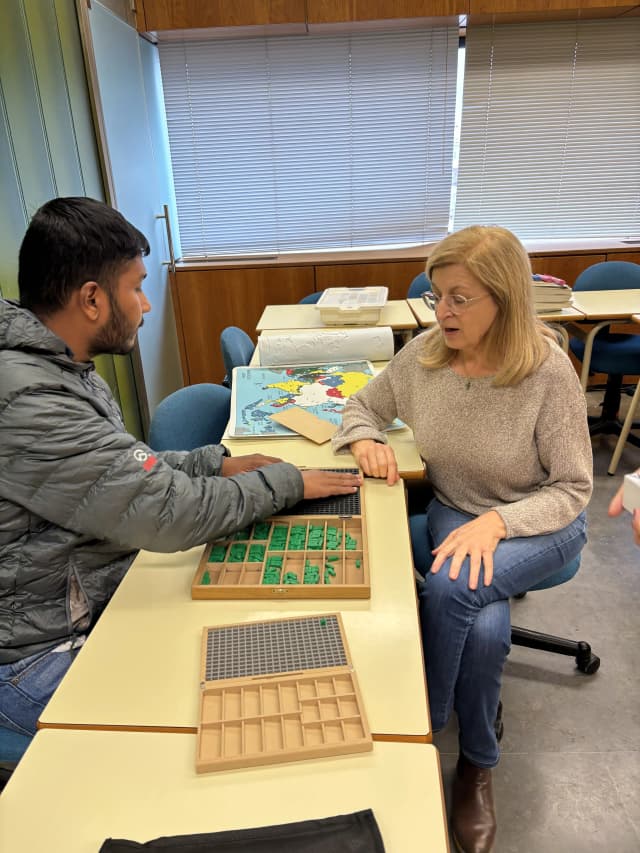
(341, 505)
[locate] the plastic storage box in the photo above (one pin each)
(352, 306)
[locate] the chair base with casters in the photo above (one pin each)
(585, 660)
(607, 422)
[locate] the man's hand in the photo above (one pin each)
(616, 507)
(241, 464)
(321, 484)
(477, 539)
(376, 460)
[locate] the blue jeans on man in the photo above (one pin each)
(27, 685)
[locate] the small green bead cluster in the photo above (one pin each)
(261, 530)
(256, 553)
(279, 537)
(329, 569)
(218, 553)
(272, 570)
(297, 538)
(290, 577)
(237, 553)
(315, 541)
(242, 535)
(329, 573)
(334, 538)
(311, 573)
(351, 544)
(206, 578)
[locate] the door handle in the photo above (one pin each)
(171, 263)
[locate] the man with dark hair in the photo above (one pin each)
(79, 496)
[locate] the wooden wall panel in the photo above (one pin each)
(185, 14)
(331, 11)
(396, 276)
(633, 257)
(567, 267)
(210, 300)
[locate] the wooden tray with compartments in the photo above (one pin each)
(290, 556)
(276, 691)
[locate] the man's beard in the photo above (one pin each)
(117, 337)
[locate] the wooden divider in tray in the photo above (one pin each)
(302, 556)
(276, 691)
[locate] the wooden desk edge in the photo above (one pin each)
(192, 730)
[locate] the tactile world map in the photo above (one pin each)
(259, 392)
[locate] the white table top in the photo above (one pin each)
(140, 667)
(424, 315)
(427, 317)
(74, 789)
(607, 304)
(304, 453)
(396, 313)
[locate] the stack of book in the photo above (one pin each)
(550, 294)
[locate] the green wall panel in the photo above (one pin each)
(47, 141)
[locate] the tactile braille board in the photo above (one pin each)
(276, 691)
(287, 556)
(343, 505)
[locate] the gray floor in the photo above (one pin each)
(569, 776)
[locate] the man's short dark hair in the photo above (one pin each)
(71, 241)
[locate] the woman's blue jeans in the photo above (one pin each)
(27, 685)
(466, 634)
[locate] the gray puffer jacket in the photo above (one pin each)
(79, 496)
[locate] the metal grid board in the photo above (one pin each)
(264, 648)
(343, 505)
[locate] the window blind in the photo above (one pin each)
(311, 142)
(550, 138)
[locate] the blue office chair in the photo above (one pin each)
(190, 417)
(237, 351)
(311, 298)
(12, 747)
(586, 661)
(614, 354)
(418, 286)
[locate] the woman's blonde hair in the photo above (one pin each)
(517, 341)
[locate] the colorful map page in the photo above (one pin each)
(322, 389)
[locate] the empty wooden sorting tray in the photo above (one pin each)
(277, 691)
(304, 556)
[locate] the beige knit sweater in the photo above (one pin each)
(522, 450)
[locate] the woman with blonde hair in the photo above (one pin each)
(498, 415)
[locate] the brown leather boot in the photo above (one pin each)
(473, 818)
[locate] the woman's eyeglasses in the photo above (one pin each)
(455, 302)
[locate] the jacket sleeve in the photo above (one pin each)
(203, 462)
(65, 463)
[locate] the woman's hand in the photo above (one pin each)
(241, 464)
(376, 460)
(478, 540)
